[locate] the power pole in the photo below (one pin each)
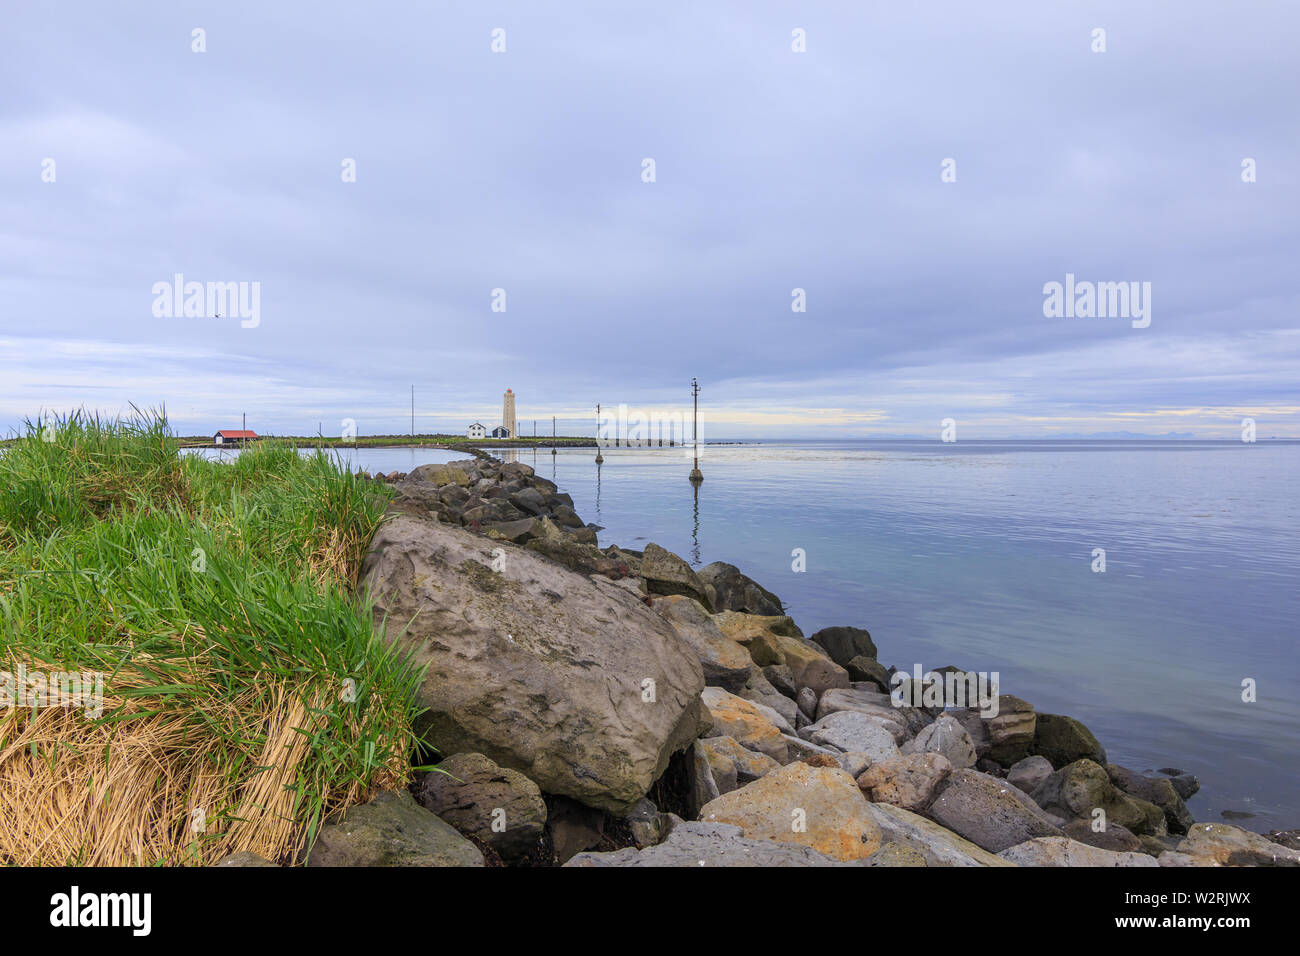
(412, 411)
(696, 475)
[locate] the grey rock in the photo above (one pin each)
(725, 663)
(853, 732)
(1063, 740)
(1062, 851)
(845, 643)
(666, 573)
(574, 827)
(987, 811)
(1157, 790)
(736, 592)
(704, 844)
(535, 666)
(1028, 774)
(1079, 789)
(807, 702)
(937, 845)
(946, 737)
(799, 749)
(477, 797)
(244, 858)
(702, 785)
(391, 830)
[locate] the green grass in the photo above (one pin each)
(216, 598)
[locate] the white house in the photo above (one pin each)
(476, 430)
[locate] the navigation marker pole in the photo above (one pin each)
(696, 475)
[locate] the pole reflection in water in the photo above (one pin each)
(695, 530)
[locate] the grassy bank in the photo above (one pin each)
(245, 693)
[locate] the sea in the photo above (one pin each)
(1150, 589)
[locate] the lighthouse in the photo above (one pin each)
(508, 414)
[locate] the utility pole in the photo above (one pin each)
(696, 475)
(599, 459)
(412, 411)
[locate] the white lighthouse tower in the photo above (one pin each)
(508, 414)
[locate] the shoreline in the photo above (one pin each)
(932, 782)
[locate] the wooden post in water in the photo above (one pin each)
(599, 459)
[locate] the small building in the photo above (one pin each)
(500, 432)
(233, 437)
(476, 430)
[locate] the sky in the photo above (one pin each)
(920, 171)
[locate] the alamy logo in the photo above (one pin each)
(977, 690)
(74, 909)
(213, 300)
(1101, 300)
(38, 690)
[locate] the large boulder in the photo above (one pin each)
(666, 573)
(1062, 851)
(701, 843)
(818, 807)
(438, 476)
(988, 811)
(726, 664)
(937, 845)
(496, 805)
(1079, 789)
(391, 830)
(736, 592)
(1157, 790)
(845, 643)
(570, 680)
(1063, 740)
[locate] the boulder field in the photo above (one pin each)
(615, 707)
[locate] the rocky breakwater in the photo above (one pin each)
(611, 707)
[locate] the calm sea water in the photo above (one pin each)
(980, 555)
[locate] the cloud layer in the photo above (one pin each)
(774, 170)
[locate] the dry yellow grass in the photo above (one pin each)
(141, 789)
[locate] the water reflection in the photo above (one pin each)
(695, 528)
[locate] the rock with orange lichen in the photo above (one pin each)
(739, 719)
(817, 807)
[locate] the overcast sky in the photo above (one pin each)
(773, 170)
